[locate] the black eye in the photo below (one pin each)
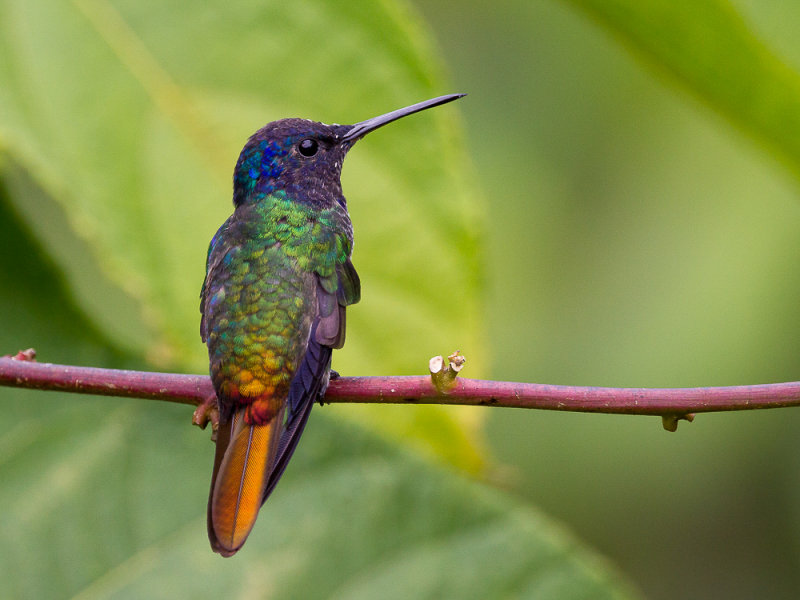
(308, 147)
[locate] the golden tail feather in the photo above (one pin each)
(244, 462)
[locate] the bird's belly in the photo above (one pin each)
(259, 328)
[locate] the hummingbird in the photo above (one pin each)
(279, 278)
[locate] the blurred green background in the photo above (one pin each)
(638, 237)
(615, 203)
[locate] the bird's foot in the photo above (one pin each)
(205, 413)
(332, 375)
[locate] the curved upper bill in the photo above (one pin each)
(359, 130)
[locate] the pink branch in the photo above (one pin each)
(172, 387)
(629, 401)
(671, 404)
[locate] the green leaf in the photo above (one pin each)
(106, 497)
(35, 308)
(130, 118)
(109, 501)
(710, 49)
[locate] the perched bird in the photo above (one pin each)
(278, 281)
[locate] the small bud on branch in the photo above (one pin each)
(444, 373)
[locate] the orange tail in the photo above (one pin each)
(244, 460)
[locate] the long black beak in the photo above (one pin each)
(359, 130)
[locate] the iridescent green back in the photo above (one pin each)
(273, 268)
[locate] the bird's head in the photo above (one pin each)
(304, 158)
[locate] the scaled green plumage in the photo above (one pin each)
(266, 265)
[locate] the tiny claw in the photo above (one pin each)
(207, 412)
(332, 376)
